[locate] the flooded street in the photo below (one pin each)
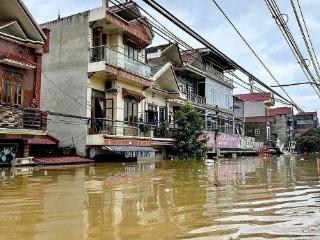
(245, 198)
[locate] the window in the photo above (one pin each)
(162, 114)
(130, 110)
(6, 92)
(11, 90)
(257, 132)
(17, 97)
(131, 50)
(152, 114)
(213, 95)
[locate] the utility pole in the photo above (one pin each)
(251, 82)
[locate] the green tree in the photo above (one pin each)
(309, 142)
(189, 133)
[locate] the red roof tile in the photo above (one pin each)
(189, 56)
(259, 119)
(255, 97)
(280, 111)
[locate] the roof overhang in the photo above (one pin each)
(166, 79)
(15, 10)
(16, 63)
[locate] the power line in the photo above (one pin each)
(308, 34)
(179, 41)
(255, 54)
(191, 32)
(281, 23)
(64, 92)
(305, 38)
(297, 84)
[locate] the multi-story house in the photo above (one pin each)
(22, 44)
(200, 83)
(97, 60)
(200, 75)
(306, 121)
(257, 120)
(283, 126)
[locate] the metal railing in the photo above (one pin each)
(217, 74)
(196, 98)
(132, 129)
(22, 118)
(115, 58)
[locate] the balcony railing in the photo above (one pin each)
(196, 98)
(138, 129)
(112, 57)
(19, 118)
(217, 74)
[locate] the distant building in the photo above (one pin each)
(256, 104)
(306, 121)
(283, 126)
(257, 121)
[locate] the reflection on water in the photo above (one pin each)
(247, 198)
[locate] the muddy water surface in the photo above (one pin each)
(245, 198)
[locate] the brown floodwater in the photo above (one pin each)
(245, 198)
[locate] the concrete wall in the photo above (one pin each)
(218, 94)
(253, 109)
(281, 129)
(67, 66)
(250, 131)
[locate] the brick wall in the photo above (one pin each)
(31, 77)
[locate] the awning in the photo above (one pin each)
(132, 151)
(130, 93)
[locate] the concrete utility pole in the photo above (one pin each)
(216, 132)
(251, 81)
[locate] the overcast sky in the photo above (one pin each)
(252, 19)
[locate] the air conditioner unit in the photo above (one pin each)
(111, 86)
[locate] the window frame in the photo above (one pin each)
(257, 132)
(131, 106)
(14, 79)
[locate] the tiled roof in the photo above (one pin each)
(280, 111)
(255, 97)
(259, 119)
(189, 56)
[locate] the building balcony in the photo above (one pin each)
(125, 130)
(119, 60)
(217, 75)
(196, 98)
(14, 120)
